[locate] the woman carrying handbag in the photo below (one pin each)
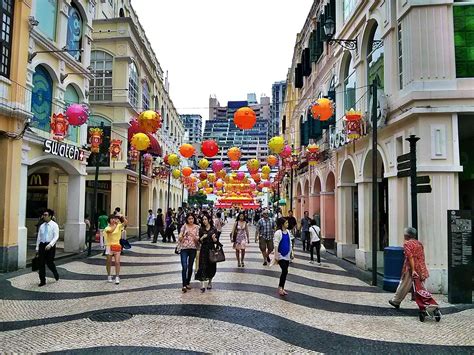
(208, 238)
(240, 238)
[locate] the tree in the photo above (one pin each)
(198, 199)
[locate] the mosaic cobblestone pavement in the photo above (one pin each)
(329, 309)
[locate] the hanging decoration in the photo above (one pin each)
(240, 176)
(322, 109)
(221, 174)
(203, 164)
(133, 154)
(211, 177)
(187, 171)
(253, 165)
(217, 165)
(186, 150)
(147, 160)
(353, 124)
(59, 126)
(140, 141)
(173, 159)
(235, 165)
(95, 139)
(176, 174)
(272, 160)
(77, 114)
(149, 121)
(202, 175)
(256, 177)
(234, 154)
(276, 144)
(266, 170)
(312, 154)
(219, 184)
(245, 118)
(286, 152)
(209, 148)
(115, 148)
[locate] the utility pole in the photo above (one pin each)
(374, 184)
(413, 184)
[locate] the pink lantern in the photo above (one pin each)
(267, 183)
(253, 185)
(240, 175)
(286, 152)
(235, 165)
(77, 114)
(217, 165)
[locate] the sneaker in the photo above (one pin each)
(184, 289)
(265, 263)
(117, 280)
(397, 306)
(203, 290)
(268, 259)
(110, 279)
(41, 284)
(319, 264)
(188, 287)
(311, 262)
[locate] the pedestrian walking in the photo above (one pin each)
(414, 266)
(150, 224)
(315, 239)
(170, 225)
(305, 223)
(218, 223)
(264, 236)
(240, 238)
(226, 214)
(159, 226)
(208, 239)
(282, 241)
(188, 242)
(102, 222)
(113, 234)
(181, 218)
(48, 235)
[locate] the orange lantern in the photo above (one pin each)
(59, 126)
(219, 184)
(234, 153)
(245, 118)
(221, 174)
(203, 176)
(256, 177)
(209, 148)
(272, 160)
(187, 171)
(95, 139)
(115, 148)
(322, 109)
(187, 150)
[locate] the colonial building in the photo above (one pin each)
(424, 78)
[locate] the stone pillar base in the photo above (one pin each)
(22, 246)
(438, 281)
(329, 243)
(8, 258)
(345, 250)
(364, 259)
(74, 237)
(133, 231)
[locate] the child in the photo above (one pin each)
(113, 234)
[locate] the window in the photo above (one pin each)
(133, 85)
(72, 97)
(95, 121)
(6, 42)
(400, 57)
(350, 85)
(375, 61)
(348, 8)
(145, 96)
(74, 32)
(464, 40)
(101, 84)
(46, 15)
(41, 99)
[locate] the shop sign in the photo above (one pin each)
(337, 138)
(64, 150)
(38, 180)
(101, 185)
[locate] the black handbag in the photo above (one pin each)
(125, 244)
(217, 255)
(35, 264)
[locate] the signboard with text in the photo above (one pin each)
(63, 150)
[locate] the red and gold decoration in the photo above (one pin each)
(312, 154)
(149, 121)
(276, 144)
(59, 126)
(187, 171)
(234, 154)
(353, 124)
(209, 148)
(186, 150)
(245, 118)
(322, 109)
(77, 114)
(95, 139)
(272, 160)
(147, 161)
(140, 141)
(133, 154)
(286, 152)
(115, 148)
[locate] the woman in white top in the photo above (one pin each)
(283, 246)
(314, 233)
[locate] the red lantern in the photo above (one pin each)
(209, 148)
(353, 115)
(203, 176)
(353, 124)
(313, 148)
(115, 148)
(59, 126)
(245, 118)
(187, 171)
(95, 139)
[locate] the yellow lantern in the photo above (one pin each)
(140, 141)
(266, 170)
(203, 164)
(276, 144)
(173, 159)
(211, 177)
(265, 176)
(176, 173)
(149, 121)
(253, 165)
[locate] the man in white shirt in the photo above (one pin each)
(150, 224)
(48, 235)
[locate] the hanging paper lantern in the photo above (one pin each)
(147, 160)
(353, 124)
(253, 185)
(59, 126)
(219, 184)
(353, 115)
(202, 175)
(133, 154)
(203, 164)
(253, 165)
(186, 150)
(256, 177)
(266, 170)
(149, 121)
(276, 144)
(240, 175)
(221, 174)
(209, 190)
(235, 165)
(272, 160)
(234, 153)
(265, 176)
(211, 177)
(115, 148)
(322, 109)
(77, 114)
(209, 148)
(217, 165)
(245, 118)
(286, 152)
(140, 141)
(96, 139)
(187, 171)
(176, 173)
(267, 183)
(312, 148)
(173, 159)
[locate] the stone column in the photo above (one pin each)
(345, 244)
(22, 230)
(118, 196)
(75, 228)
(363, 252)
(397, 210)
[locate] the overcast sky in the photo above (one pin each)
(226, 48)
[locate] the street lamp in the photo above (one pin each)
(329, 27)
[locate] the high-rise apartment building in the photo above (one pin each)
(193, 126)
(278, 97)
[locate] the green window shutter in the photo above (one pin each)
(312, 46)
(464, 40)
(319, 40)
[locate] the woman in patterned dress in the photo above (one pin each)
(240, 238)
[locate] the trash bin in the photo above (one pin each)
(393, 262)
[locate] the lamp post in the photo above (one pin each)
(140, 167)
(374, 184)
(329, 28)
